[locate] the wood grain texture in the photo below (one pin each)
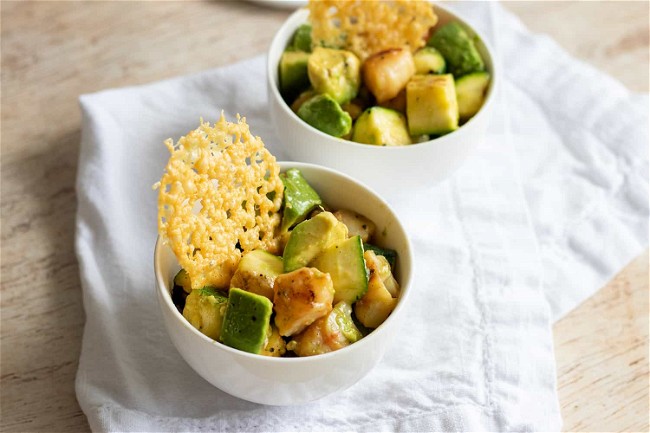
(54, 51)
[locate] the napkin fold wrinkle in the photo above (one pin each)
(548, 208)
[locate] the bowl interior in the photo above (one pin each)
(299, 17)
(337, 191)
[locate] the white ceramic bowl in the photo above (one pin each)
(386, 169)
(287, 381)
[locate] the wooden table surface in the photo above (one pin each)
(54, 51)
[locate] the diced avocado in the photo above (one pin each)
(204, 309)
(335, 73)
(309, 238)
(428, 60)
(302, 38)
(391, 255)
(470, 92)
(299, 198)
(182, 279)
(325, 114)
(457, 47)
(345, 263)
(293, 74)
(431, 105)
(343, 318)
(381, 126)
(301, 99)
(256, 273)
(246, 321)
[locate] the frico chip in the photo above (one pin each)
(219, 198)
(366, 27)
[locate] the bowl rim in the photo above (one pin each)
(164, 293)
(483, 111)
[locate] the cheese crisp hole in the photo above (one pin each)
(197, 207)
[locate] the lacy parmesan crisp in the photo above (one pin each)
(367, 27)
(219, 197)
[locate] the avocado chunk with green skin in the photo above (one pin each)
(309, 238)
(293, 74)
(256, 273)
(325, 114)
(247, 320)
(470, 92)
(431, 105)
(458, 48)
(391, 255)
(343, 318)
(345, 263)
(299, 199)
(428, 60)
(381, 126)
(336, 73)
(302, 38)
(204, 309)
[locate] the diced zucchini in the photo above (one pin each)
(386, 73)
(311, 237)
(182, 279)
(256, 273)
(246, 322)
(345, 263)
(299, 198)
(431, 105)
(204, 309)
(428, 60)
(335, 73)
(325, 114)
(293, 74)
(343, 318)
(381, 126)
(275, 345)
(458, 49)
(470, 92)
(301, 40)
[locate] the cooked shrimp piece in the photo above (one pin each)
(301, 297)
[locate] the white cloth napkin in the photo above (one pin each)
(548, 208)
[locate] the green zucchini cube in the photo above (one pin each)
(431, 105)
(293, 74)
(428, 60)
(382, 127)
